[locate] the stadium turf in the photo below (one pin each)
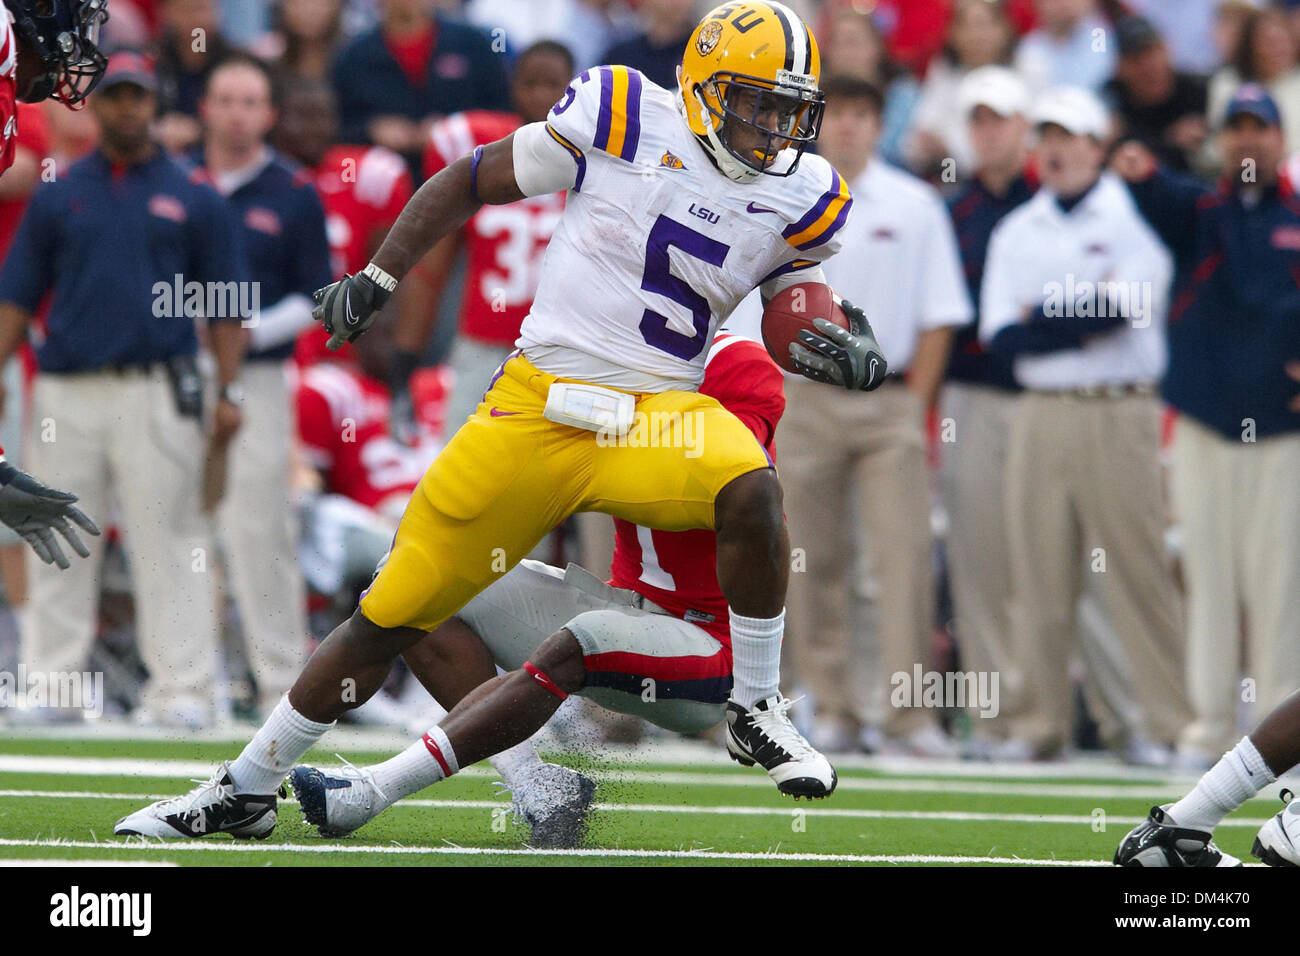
(59, 799)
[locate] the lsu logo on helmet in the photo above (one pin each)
(750, 88)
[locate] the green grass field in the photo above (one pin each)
(59, 798)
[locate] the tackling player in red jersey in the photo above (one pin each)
(47, 49)
(662, 612)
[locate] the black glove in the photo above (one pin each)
(851, 359)
(32, 509)
(349, 306)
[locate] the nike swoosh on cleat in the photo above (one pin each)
(754, 208)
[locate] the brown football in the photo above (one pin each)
(794, 309)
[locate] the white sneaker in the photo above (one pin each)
(1160, 842)
(1278, 841)
(554, 801)
(338, 802)
(765, 735)
(215, 806)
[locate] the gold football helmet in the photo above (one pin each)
(749, 87)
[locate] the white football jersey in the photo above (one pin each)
(656, 246)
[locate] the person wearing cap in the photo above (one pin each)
(1074, 294)
(1154, 103)
(977, 404)
(900, 265)
(282, 228)
(1234, 378)
(116, 401)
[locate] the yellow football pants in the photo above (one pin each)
(510, 475)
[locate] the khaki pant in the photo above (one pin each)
(853, 468)
(974, 424)
(1239, 505)
(102, 434)
(1083, 493)
(259, 530)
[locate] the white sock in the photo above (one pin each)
(420, 765)
(516, 764)
(274, 749)
(1239, 775)
(755, 657)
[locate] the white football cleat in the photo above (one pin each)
(215, 806)
(554, 801)
(338, 802)
(765, 736)
(1278, 841)
(1160, 842)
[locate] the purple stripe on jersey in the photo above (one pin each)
(830, 230)
(816, 211)
(791, 266)
(633, 132)
(577, 154)
(606, 107)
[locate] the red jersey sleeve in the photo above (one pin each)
(316, 429)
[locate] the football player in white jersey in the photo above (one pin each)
(680, 203)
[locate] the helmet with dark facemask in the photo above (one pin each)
(64, 35)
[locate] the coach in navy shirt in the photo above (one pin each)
(132, 249)
(1234, 360)
(282, 227)
(393, 81)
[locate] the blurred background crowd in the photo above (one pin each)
(1102, 512)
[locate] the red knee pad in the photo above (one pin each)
(545, 681)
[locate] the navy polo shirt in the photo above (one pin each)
(464, 74)
(281, 225)
(109, 243)
(975, 211)
(1234, 321)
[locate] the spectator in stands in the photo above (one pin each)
(1267, 56)
(395, 81)
(282, 226)
(114, 239)
(1070, 45)
(1189, 28)
(1155, 104)
(979, 34)
(189, 48)
(306, 35)
(504, 245)
(843, 456)
(656, 48)
(1075, 292)
(854, 47)
(587, 27)
(1234, 377)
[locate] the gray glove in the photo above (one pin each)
(349, 306)
(32, 509)
(851, 359)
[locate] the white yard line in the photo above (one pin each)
(596, 854)
(188, 769)
(809, 811)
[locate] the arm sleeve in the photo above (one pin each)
(1169, 203)
(543, 163)
(819, 232)
(794, 272)
(314, 429)
(28, 268)
(748, 384)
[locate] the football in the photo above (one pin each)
(794, 309)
